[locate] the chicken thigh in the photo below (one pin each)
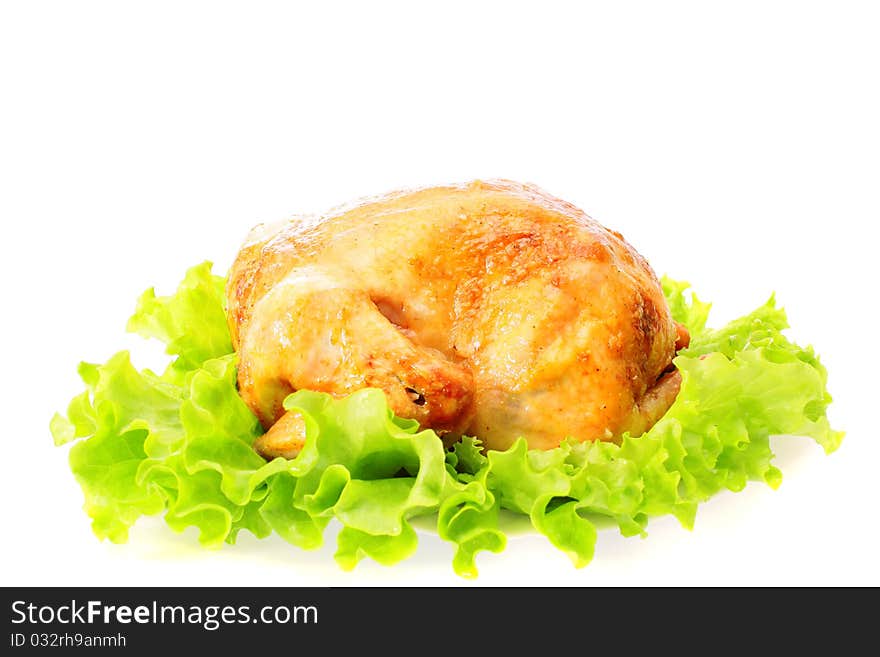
(489, 309)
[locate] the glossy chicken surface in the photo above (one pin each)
(489, 309)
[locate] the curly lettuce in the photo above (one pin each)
(179, 444)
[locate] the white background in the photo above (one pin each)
(736, 145)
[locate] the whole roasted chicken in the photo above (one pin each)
(489, 309)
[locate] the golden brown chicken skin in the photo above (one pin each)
(489, 309)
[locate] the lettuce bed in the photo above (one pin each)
(179, 443)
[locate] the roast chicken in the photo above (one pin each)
(489, 309)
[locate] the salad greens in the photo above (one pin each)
(179, 443)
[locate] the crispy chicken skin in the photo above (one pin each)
(489, 309)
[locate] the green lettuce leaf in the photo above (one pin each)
(179, 444)
(684, 305)
(191, 323)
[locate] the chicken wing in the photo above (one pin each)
(489, 309)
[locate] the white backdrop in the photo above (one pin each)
(735, 145)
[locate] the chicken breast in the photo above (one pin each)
(489, 309)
